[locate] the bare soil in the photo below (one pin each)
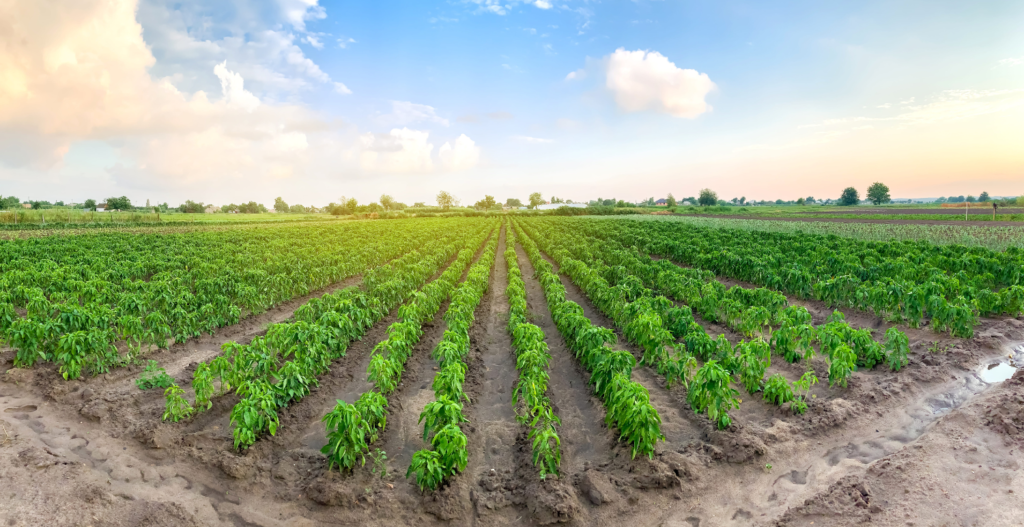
(933, 444)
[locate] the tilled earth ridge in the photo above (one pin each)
(930, 445)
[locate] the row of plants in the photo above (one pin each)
(655, 323)
(93, 302)
(907, 282)
(442, 418)
(352, 428)
(533, 408)
(627, 403)
(274, 370)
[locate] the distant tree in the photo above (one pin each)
(513, 202)
(122, 203)
(809, 200)
(374, 207)
(446, 200)
(707, 197)
(536, 199)
(971, 199)
(297, 209)
(1020, 201)
(671, 200)
(801, 201)
(486, 204)
(59, 204)
(387, 202)
(849, 197)
(609, 202)
(229, 208)
(419, 204)
(984, 197)
(621, 204)
(280, 205)
(189, 207)
(878, 193)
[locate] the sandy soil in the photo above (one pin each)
(934, 444)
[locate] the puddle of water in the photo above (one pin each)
(928, 411)
(998, 372)
(29, 408)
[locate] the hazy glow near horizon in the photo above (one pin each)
(310, 100)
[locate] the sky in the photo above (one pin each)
(311, 100)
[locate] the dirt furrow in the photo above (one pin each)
(585, 438)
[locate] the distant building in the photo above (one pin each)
(661, 201)
(102, 207)
(553, 206)
(26, 205)
(210, 209)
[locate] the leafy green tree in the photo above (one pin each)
(971, 199)
(280, 205)
(707, 197)
(513, 202)
(801, 201)
(297, 209)
(878, 193)
(122, 203)
(1020, 201)
(849, 197)
(11, 202)
(536, 199)
(36, 205)
(486, 204)
(446, 200)
(809, 200)
(388, 202)
(671, 200)
(984, 197)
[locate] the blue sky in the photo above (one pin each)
(231, 101)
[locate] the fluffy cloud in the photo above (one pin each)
(401, 151)
(233, 87)
(647, 80)
(463, 154)
(80, 72)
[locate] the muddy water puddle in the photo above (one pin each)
(923, 414)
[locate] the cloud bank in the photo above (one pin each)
(646, 80)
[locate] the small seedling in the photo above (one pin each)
(380, 463)
(768, 467)
(937, 348)
(153, 377)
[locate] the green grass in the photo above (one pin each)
(997, 238)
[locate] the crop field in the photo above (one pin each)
(513, 370)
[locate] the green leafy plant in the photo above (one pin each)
(177, 408)
(202, 385)
(427, 468)
(897, 347)
(802, 389)
(154, 377)
(711, 393)
(777, 390)
(380, 463)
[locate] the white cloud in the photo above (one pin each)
(462, 155)
(233, 87)
(946, 106)
(1011, 62)
(405, 112)
(542, 4)
(400, 151)
(576, 75)
(191, 36)
(297, 12)
(340, 87)
(313, 40)
(647, 80)
(344, 42)
(532, 140)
